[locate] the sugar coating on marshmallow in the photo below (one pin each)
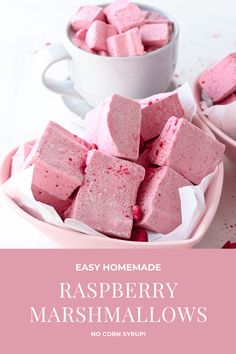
(18, 160)
(156, 112)
(155, 35)
(125, 44)
(85, 16)
(187, 149)
(127, 17)
(105, 199)
(59, 159)
(114, 126)
(97, 35)
(159, 199)
(220, 80)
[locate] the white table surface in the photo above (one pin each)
(208, 33)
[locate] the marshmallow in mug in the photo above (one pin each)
(120, 29)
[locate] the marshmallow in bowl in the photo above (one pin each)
(85, 16)
(219, 81)
(127, 17)
(114, 126)
(129, 21)
(125, 44)
(97, 35)
(59, 161)
(159, 199)
(186, 149)
(105, 199)
(156, 111)
(155, 35)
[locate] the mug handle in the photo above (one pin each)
(45, 58)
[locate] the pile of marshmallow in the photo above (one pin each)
(120, 29)
(124, 178)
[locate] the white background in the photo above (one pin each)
(208, 32)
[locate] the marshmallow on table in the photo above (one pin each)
(186, 149)
(108, 194)
(125, 44)
(97, 35)
(85, 16)
(155, 35)
(114, 126)
(155, 113)
(59, 161)
(18, 160)
(159, 199)
(219, 81)
(127, 17)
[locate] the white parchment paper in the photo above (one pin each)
(224, 117)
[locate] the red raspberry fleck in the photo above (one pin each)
(150, 103)
(83, 165)
(229, 245)
(94, 146)
(139, 235)
(137, 213)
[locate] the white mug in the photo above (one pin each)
(95, 77)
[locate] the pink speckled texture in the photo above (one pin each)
(59, 159)
(155, 35)
(187, 149)
(85, 16)
(115, 126)
(220, 80)
(125, 44)
(159, 199)
(105, 199)
(18, 159)
(156, 112)
(97, 35)
(127, 17)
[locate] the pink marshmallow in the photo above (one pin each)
(85, 16)
(114, 126)
(187, 149)
(155, 35)
(59, 160)
(219, 81)
(159, 199)
(125, 44)
(18, 160)
(97, 35)
(115, 6)
(80, 34)
(127, 17)
(156, 112)
(82, 45)
(105, 199)
(103, 53)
